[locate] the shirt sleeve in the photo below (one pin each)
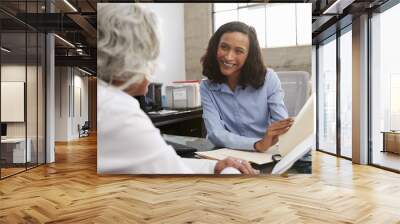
(276, 105)
(216, 131)
(198, 166)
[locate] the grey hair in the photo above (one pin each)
(127, 42)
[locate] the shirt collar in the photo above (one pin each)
(223, 87)
(220, 87)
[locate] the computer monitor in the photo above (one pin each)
(3, 129)
(152, 100)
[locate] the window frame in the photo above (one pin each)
(250, 5)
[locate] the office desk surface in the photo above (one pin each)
(15, 150)
(201, 144)
(179, 116)
(13, 140)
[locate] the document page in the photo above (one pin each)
(297, 153)
(302, 128)
(254, 157)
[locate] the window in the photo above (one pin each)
(394, 101)
(225, 17)
(256, 17)
(282, 33)
(277, 25)
(327, 96)
(385, 84)
(303, 18)
(346, 94)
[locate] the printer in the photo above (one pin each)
(183, 94)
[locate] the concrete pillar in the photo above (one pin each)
(50, 92)
(360, 90)
(198, 30)
(50, 99)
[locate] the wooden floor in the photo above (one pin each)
(386, 159)
(10, 171)
(70, 191)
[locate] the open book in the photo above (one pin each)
(292, 145)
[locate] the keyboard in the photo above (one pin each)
(181, 149)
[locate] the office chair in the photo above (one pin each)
(295, 85)
(84, 130)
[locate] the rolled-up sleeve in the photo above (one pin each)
(275, 101)
(216, 131)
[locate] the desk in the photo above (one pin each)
(391, 141)
(182, 122)
(302, 166)
(13, 150)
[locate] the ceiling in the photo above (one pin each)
(332, 15)
(76, 23)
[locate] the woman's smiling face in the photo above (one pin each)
(232, 52)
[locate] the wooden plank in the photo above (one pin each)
(70, 191)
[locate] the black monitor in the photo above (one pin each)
(152, 100)
(3, 129)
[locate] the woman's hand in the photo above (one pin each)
(271, 137)
(242, 165)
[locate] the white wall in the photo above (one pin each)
(67, 114)
(172, 45)
(82, 82)
(12, 73)
(61, 103)
(80, 103)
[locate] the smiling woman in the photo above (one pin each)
(242, 100)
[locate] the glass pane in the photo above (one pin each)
(77, 98)
(394, 101)
(31, 100)
(255, 16)
(41, 99)
(221, 18)
(303, 18)
(247, 4)
(386, 89)
(327, 97)
(281, 25)
(13, 86)
(31, 89)
(346, 94)
(224, 6)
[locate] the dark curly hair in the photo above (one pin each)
(253, 70)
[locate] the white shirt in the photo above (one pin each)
(128, 142)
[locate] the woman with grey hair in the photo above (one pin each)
(128, 142)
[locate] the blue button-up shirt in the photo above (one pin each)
(239, 119)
